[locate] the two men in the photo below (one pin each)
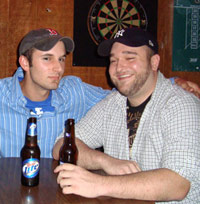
(149, 130)
(38, 89)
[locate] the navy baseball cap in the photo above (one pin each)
(44, 39)
(133, 37)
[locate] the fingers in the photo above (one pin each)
(63, 176)
(196, 94)
(67, 186)
(67, 190)
(65, 182)
(121, 167)
(65, 166)
(76, 180)
(137, 167)
(189, 86)
(64, 171)
(194, 86)
(132, 168)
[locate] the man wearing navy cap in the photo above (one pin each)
(149, 130)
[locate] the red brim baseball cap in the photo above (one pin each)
(44, 40)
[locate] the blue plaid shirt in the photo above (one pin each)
(72, 99)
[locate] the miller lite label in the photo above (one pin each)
(30, 167)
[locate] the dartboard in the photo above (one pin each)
(106, 17)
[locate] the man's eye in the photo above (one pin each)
(112, 61)
(130, 58)
(62, 59)
(46, 58)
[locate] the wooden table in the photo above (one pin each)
(47, 192)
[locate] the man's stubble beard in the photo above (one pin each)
(136, 85)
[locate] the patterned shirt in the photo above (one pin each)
(168, 135)
(72, 99)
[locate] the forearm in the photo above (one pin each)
(89, 158)
(156, 185)
(56, 148)
(92, 159)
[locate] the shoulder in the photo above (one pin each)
(73, 83)
(112, 101)
(172, 101)
(174, 94)
(177, 104)
(70, 81)
(115, 96)
(5, 81)
(10, 81)
(6, 85)
(166, 92)
(183, 99)
(70, 85)
(10, 86)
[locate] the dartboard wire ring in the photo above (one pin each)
(111, 17)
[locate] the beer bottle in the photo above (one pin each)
(68, 151)
(30, 155)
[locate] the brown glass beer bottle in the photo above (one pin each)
(30, 155)
(68, 151)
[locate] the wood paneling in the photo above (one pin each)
(19, 17)
(4, 19)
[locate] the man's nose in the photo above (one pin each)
(120, 65)
(57, 66)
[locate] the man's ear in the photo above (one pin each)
(155, 60)
(24, 63)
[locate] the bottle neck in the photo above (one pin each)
(31, 133)
(69, 135)
(31, 140)
(68, 138)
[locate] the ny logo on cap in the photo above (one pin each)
(151, 43)
(119, 33)
(51, 31)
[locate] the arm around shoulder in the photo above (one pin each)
(188, 86)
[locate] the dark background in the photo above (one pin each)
(85, 53)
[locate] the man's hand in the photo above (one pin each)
(76, 180)
(120, 167)
(189, 86)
